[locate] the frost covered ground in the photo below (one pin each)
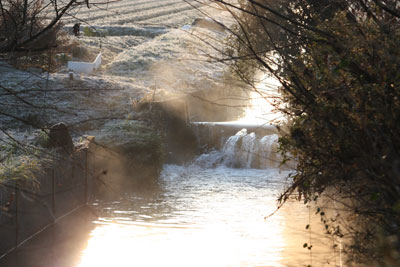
(145, 43)
(148, 48)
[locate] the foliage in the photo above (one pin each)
(87, 31)
(338, 64)
(32, 25)
(93, 32)
(63, 58)
(43, 139)
(19, 166)
(137, 141)
(20, 20)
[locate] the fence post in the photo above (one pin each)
(16, 213)
(86, 177)
(72, 160)
(53, 192)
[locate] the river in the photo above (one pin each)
(193, 216)
(212, 212)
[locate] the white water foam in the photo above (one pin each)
(245, 150)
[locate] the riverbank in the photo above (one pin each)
(59, 189)
(71, 181)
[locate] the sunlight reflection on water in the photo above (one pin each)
(153, 246)
(202, 218)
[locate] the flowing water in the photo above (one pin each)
(209, 213)
(197, 217)
(203, 214)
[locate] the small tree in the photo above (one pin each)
(31, 25)
(338, 63)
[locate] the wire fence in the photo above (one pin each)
(63, 188)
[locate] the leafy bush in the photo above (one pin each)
(338, 63)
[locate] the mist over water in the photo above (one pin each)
(199, 217)
(208, 213)
(205, 216)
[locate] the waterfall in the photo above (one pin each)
(231, 146)
(268, 152)
(244, 150)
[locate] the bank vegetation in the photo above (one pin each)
(337, 62)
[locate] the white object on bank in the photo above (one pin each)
(85, 67)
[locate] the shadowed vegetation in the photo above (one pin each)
(338, 64)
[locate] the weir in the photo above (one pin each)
(238, 145)
(201, 213)
(215, 134)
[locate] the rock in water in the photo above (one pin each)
(59, 137)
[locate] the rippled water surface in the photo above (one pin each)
(196, 217)
(192, 217)
(204, 217)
